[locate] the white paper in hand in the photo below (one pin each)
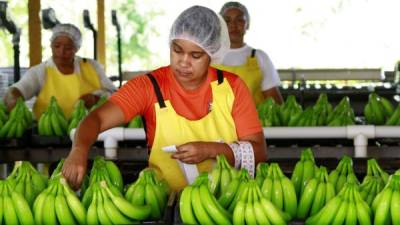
(189, 170)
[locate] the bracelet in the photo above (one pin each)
(247, 160)
(237, 154)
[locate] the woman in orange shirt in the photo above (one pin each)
(201, 110)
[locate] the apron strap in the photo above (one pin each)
(220, 76)
(157, 90)
(253, 53)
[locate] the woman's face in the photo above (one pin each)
(63, 50)
(189, 63)
(236, 23)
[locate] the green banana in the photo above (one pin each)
(210, 205)
(319, 199)
(48, 208)
(226, 198)
(138, 197)
(22, 208)
(306, 199)
(277, 195)
(289, 197)
(198, 208)
(91, 216)
(63, 213)
(249, 215)
(151, 199)
(383, 208)
(10, 214)
(340, 216)
(297, 176)
(395, 207)
(112, 211)
(115, 174)
(185, 206)
(239, 213)
(261, 217)
(76, 207)
(101, 212)
(55, 124)
(273, 214)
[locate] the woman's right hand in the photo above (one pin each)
(74, 168)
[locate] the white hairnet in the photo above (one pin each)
(236, 5)
(68, 30)
(205, 28)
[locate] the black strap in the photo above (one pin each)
(220, 76)
(157, 90)
(253, 53)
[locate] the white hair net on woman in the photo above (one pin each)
(236, 5)
(70, 31)
(205, 28)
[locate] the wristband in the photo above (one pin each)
(237, 154)
(247, 160)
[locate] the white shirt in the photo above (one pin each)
(33, 80)
(238, 56)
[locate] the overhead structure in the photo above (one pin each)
(49, 19)
(88, 24)
(118, 28)
(9, 25)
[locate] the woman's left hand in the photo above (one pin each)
(193, 152)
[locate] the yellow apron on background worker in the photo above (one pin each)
(66, 88)
(250, 73)
(173, 129)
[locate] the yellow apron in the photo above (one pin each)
(173, 129)
(66, 88)
(251, 74)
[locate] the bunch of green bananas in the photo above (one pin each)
(317, 192)
(14, 209)
(343, 173)
(304, 118)
(58, 204)
(261, 173)
(378, 109)
(386, 205)
(148, 190)
(373, 182)
(280, 190)
(288, 109)
(304, 170)
(230, 197)
(102, 170)
(53, 122)
(27, 180)
(254, 208)
(19, 120)
(136, 122)
(99, 102)
(394, 120)
(198, 205)
(268, 112)
(77, 115)
(342, 115)
(221, 175)
(322, 109)
(347, 207)
(109, 206)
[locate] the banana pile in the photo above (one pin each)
(386, 205)
(347, 207)
(221, 175)
(288, 109)
(268, 113)
(231, 196)
(342, 115)
(108, 206)
(136, 122)
(77, 115)
(343, 173)
(27, 181)
(254, 208)
(379, 111)
(53, 122)
(304, 170)
(102, 170)
(58, 204)
(279, 189)
(317, 192)
(14, 209)
(148, 190)
(373, 182)
(19, 120)
(199, 206)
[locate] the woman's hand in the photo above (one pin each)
(89, 99)
(197, 152)
(74, 168)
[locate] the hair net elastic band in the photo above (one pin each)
(69, 31)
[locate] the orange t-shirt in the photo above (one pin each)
(137, 97)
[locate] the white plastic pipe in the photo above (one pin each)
(134, 134)
(387, 131)
(305, 132)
